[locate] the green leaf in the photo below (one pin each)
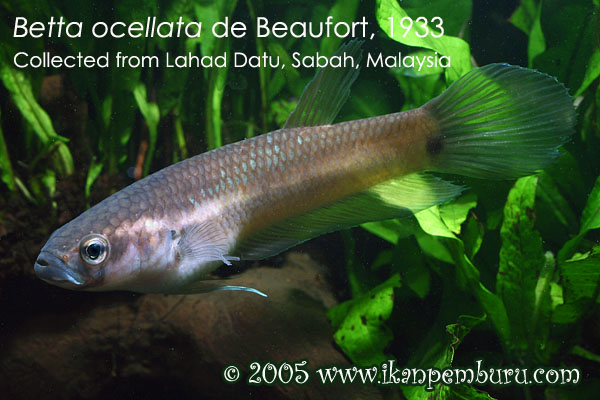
(590, 219)
(391, 230)
(92, 175)
(568, 42)
(591, 74)
(6, 171)
(556, 217)
(439, 354)
(454, 13)
(443, 244)
(151, 114)
(537, 42)
(463, 392)
(455, 212)
(360, 324)
(525, 15)
(341, 11)
(472, 237)
(417, 86)
(581, 277)
(521, 261)
(453, 47)
(21, 93)
(431, 222)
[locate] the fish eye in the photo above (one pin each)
(93, 249)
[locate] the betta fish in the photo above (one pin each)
(258, 197)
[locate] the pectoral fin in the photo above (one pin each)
(202, 243)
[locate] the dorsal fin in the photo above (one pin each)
(324, 96)
(395, 198)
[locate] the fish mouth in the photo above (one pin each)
(53, 270)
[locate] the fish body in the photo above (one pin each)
(258, 197)
(237, 190)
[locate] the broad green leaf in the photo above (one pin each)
(590, 219)
(151, 114)
(525, 15)
(408, 260)
(521, 260)
(443, 244)
(391, 230)
(440, 355)
(557, 220)
(537, 42)
(431, 222)
(418, 87)
(472, 237)
(453, 47)
(571, 42)
(434, 247)
(341, 11)
(455, 212)
(454, 13)
(360, 324)
(581, 277)
(591, 74)
(21, 93)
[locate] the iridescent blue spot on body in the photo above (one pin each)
(252, 164)
(299, 140)
(268, 151)
(244, 166)
(276, 149)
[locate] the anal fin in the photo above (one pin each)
(398, 197)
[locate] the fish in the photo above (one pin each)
(257, 197)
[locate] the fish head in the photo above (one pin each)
(75, 258)
(102, 249)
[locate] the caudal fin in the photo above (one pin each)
(501, 122)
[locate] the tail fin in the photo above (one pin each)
(500, 122)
